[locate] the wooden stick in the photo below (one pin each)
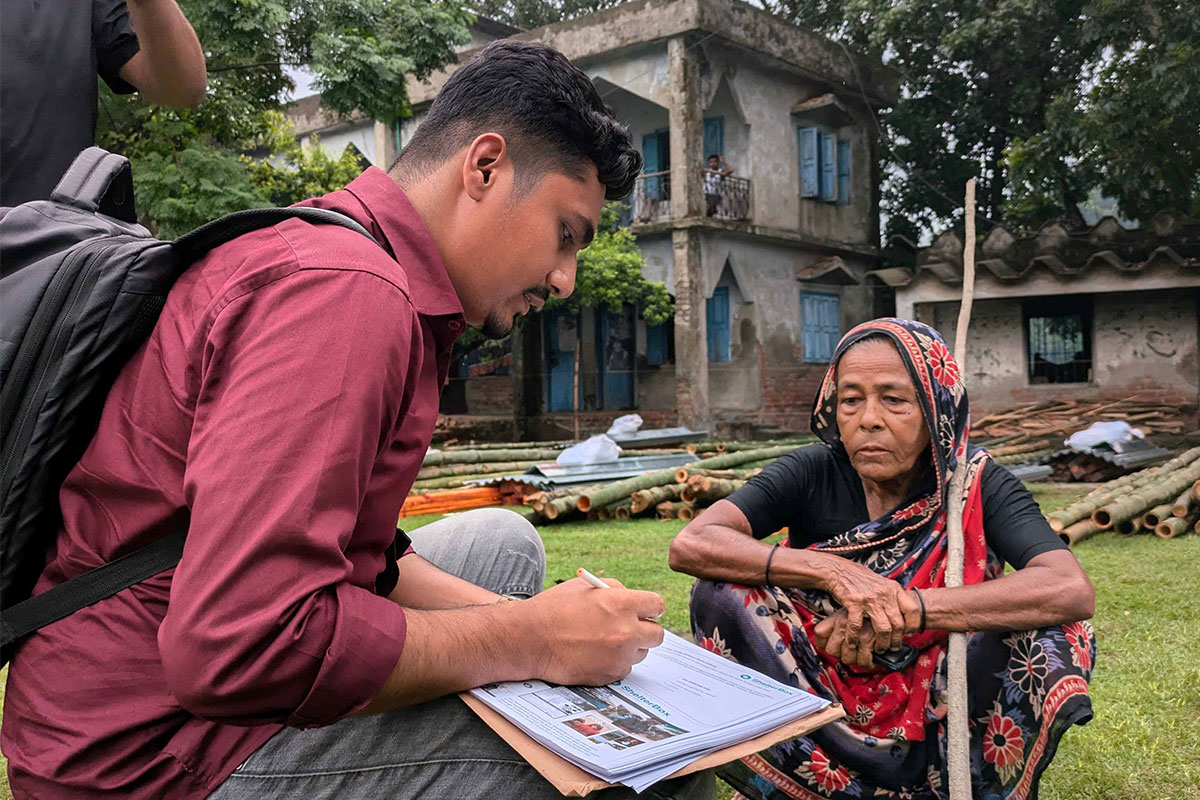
(958, 753)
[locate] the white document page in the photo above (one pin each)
(678, 704)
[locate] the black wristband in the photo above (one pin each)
(767, 571)
(922, 601)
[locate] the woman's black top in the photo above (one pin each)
(818, 496)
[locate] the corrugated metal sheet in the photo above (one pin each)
(652, 437)
(1028, 473)
(1131, 455)
(550, 474)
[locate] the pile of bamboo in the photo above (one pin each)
(1163, 500)
(1063, 417)
(668, 494)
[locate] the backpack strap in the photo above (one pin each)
(86, 181)
(91, 587)
(98, 182)
(194, 244)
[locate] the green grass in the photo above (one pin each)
(1144, 741)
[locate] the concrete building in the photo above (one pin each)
(1105, 313)
(767, 265)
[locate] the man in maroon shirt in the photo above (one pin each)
(280, 411)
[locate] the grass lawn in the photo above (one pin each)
(1143, 743)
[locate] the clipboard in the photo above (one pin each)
(571, 781)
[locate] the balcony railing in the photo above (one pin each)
(725, 197)
(651, 198)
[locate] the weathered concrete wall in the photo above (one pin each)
(1041, 282)
(660, 259)
(1144, 344)
(360, 133)
(768, 93)
(1148, 343)
(641, 71)
(656, 388)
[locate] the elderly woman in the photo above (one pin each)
(862, 573)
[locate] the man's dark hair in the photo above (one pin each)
(546, 108)
(714, 155)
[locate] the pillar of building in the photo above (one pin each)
(687, 201)
(385, 144)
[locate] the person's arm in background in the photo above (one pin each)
(168, 67)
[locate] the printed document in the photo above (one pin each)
(681, 703)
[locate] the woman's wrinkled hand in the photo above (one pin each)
(832, 635)
(874, 603)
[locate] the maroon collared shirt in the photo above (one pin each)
(280, 411)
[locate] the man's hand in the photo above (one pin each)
(892, 612)
(591, 636)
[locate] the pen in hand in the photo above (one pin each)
(599, 584)
(592, 579)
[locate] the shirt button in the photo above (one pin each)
(455, 326)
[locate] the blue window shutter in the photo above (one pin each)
(714, 137)
(828, 167)
(650, 152)
(806, 142)
(821, 326)
(656, 344)
(843, 171)
(717, 324)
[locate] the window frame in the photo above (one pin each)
(1082, 306)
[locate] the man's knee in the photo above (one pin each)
(509, 530)
(517, 549)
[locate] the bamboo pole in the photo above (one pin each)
(487, 456)
(958, 754)
(1183, 504)
(486, 468)
(1156, 515)
(575, 381)
(1079, 531)
(688, 512)
(612, 491)
(1128, 527)
(1162, 492)
(648, 498)
(623, 512)
(1173, 526)
(668, 510)
(1119, 487)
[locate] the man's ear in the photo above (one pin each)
(486, 164)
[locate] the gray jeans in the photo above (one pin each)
(437, 750)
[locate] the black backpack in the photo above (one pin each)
(81, 287)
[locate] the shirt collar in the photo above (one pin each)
(392, 217)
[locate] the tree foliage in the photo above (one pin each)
(190, 166)
(535, 13)
(610, 274)
(1042, 100)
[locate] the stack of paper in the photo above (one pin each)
(678, 705)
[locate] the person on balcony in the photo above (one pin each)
(714, 182)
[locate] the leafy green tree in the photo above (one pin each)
(190, 166)
(535, 13)
(610, 274)
(1131, 129)
(1042, 100)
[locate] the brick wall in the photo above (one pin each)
(490, 394)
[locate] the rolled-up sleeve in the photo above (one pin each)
(299, 391)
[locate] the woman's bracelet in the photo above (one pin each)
(767, 571)
(922, 601)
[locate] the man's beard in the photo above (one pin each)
(496, 325)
